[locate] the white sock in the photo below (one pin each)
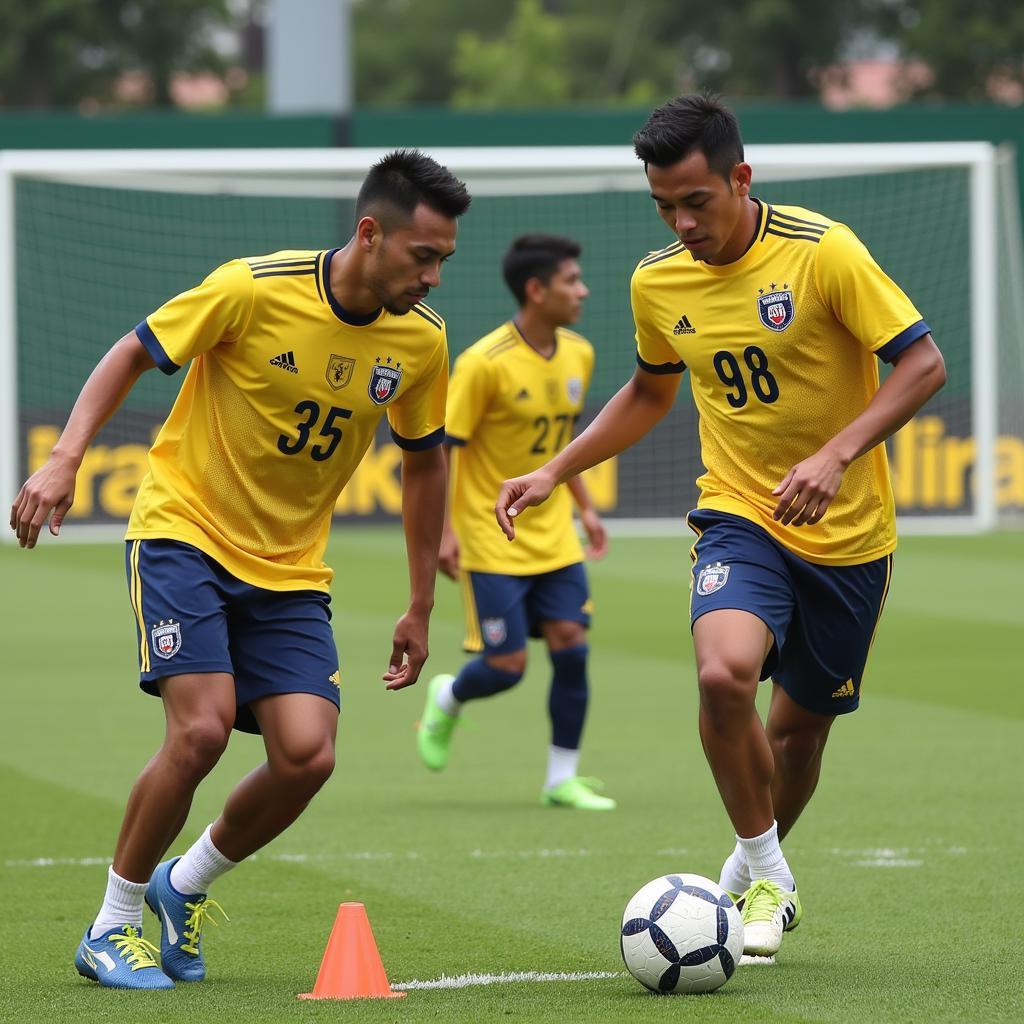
(562, 764)
(196, 871)
(446, 699)
(765, 858)
(122, 905)
(735, 876)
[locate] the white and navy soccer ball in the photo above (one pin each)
(682, 933)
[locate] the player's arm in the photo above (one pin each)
(809, 487)
(424, 481)
(597, 536)
(448, 555)
(50, 491)
(626, 418)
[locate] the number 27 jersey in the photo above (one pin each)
(782, 348)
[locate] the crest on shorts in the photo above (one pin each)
(712, 578)
(339, 371)
(384, 380)
(495, 631)
(574, 386)
(775, 307)
(166, 638)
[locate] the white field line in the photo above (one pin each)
(468, 980)
(870, 857)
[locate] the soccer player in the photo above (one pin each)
(779, 313)
(515, 396)
(294, 357)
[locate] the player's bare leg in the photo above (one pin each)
(199, 711)
(731, 646)
(797, 737)
(299, 731)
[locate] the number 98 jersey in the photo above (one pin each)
(510, 410)
(282, 397)
(781, 346)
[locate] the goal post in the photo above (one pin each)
(92, 241)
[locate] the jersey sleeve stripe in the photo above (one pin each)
(787, 220)
(792, 233)
(902, 341)
(316, 275)
(502, 346)
(419, 444)
(433, 312)
(660, 367)
(258, 265)
(458, 442)
(152, 345)
(672, 250)
(285, 273)
(426, 316)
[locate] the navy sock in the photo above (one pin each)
(478, 679)
(567, 701)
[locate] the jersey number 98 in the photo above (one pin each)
(764, 385)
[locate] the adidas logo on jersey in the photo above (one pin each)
(846, 690)
(523, 393)
(286, 361)
(684, 326)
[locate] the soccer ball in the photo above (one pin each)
(681, 933)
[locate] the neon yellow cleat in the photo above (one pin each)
(768, 911)
(578, 793)
(435, 732)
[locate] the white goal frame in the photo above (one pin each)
(521, 170)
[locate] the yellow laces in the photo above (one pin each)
(761, 901)
(198, 913)
(134, 950)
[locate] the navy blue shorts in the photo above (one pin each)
(823, 617)
(501, 611)
(192, 615)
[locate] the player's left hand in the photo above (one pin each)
(597, 535)
(808, 489)
(408, 651)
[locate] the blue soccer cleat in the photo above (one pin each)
(120, 958)
(181, 924)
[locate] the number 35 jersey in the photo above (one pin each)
(510, 410)
(282, 398)
(782, 348)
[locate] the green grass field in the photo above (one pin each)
(909, 860)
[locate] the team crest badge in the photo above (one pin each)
(495, 631)
(574, 386)
(384, 380)
(166, 638)
(339, 371)
(776, 308)
(712, 578)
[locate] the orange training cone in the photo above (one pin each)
(351, 967)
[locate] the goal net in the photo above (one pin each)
(94, 241)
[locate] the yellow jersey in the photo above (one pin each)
(781, 346)
(282, 397)
(510, 410)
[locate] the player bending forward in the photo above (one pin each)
(779, 314)
(294, 358)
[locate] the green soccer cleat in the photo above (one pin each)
(768, 911)
(579, 794)
(434, 737)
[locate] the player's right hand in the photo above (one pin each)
(47, 495)
(519, 493)
(448, 554)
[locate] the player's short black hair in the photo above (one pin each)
(536, 255)
(404, 178)
(687, 123)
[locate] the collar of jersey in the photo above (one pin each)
(751, 255)
(344, 315)
(522, 338)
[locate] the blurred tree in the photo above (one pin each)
(974, 48)
(60, 52)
